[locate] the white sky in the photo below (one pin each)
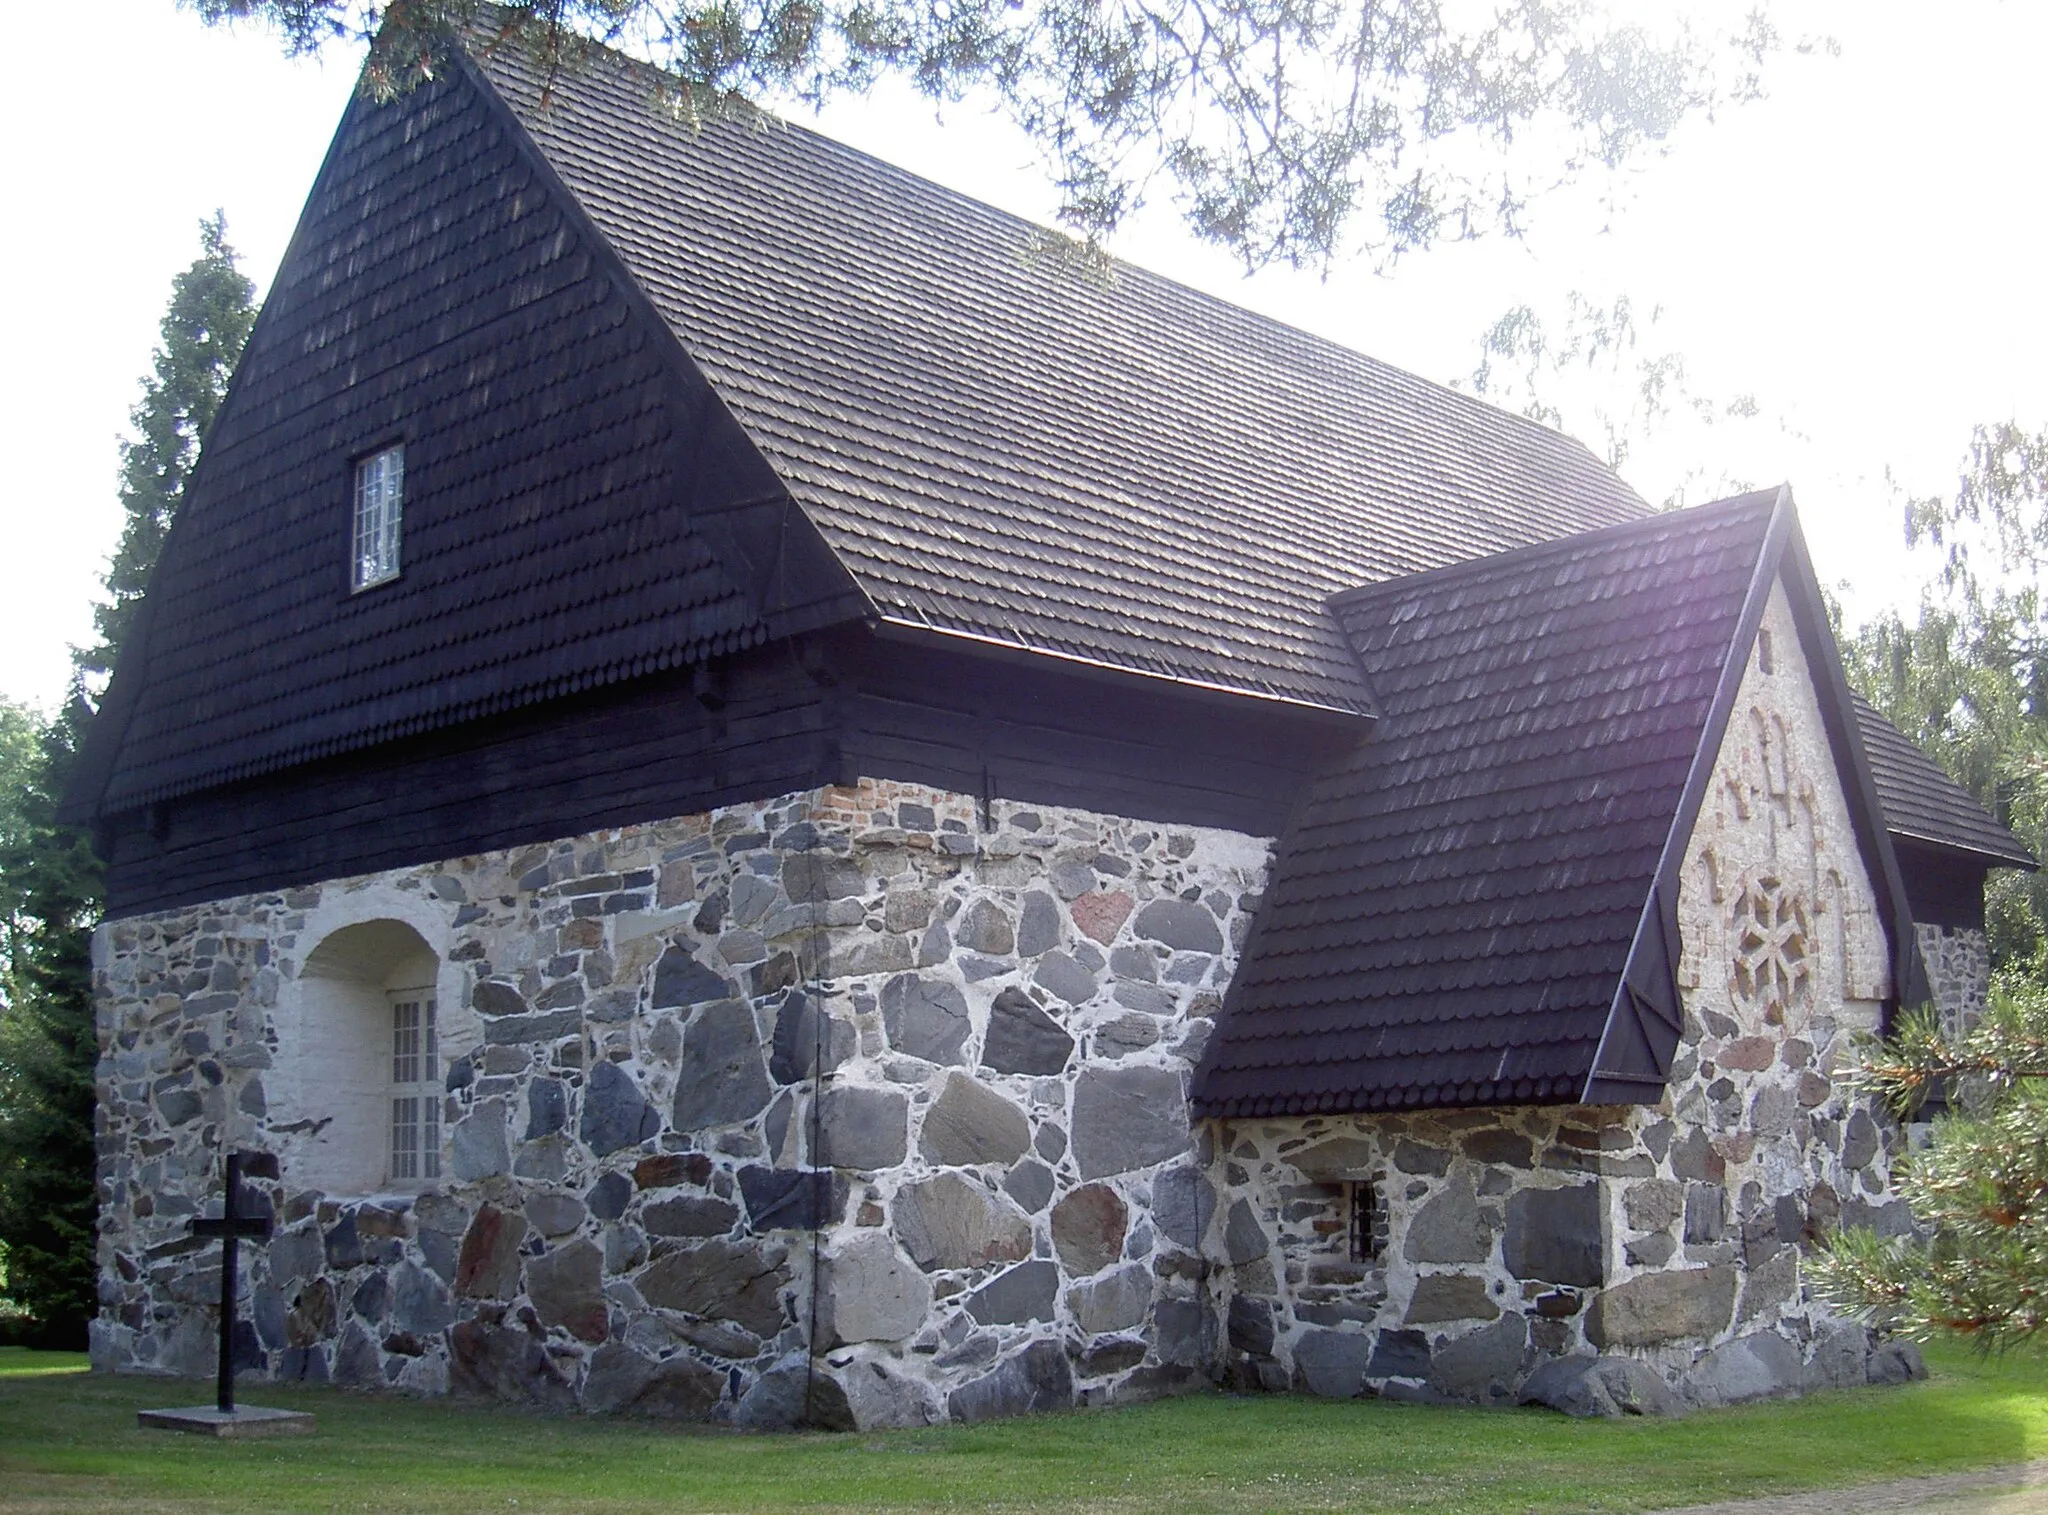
(1862, 252)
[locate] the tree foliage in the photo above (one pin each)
(1281, 125)
(1979, 1187)
(49, 879)
(212, 308)
(1968, 679)
(1596, 370)
(48, 1048)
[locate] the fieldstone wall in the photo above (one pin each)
(1958, 960)
(871, 1068)
(1672, 1235)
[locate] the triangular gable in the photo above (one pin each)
(1478, 907)
(580, 506)
(1645, 1022)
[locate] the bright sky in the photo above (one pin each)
(1862, 253)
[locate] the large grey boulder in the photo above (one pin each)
(1183, 1200)
(1668, 1306)
(1483, 1366)
(1126, 1118)
(1554, 1236)
(1016, 1295)
(792, 1199)
(567, 1289)
(620, 1379)
(722, 1081)
(1332, 1363)
(1756, 1366)
(1088, 1228)
(477, 1147)
(506, 1363)
(948, 1222)
(984, 927)
(1183, 1332)
(680, 980)
(925, 1017)
(1840, 1357)
(969, 1123)
(614, 1378)
(1115, 1302)
(1022, 1038)
(1183, 924)
(863, 1128)
(1449, 1228)
(1062, 975)
(719, 1280)
(419, 1301)
(615, 1113)
(1036, 1379)
(871, 1292)
(802, 1032)
(796, 1393)
(1249, 1325)
(1039, 929)
(1895, 1362)
(1244, 1239)
(1607, 1387)
(882, 1396)
(1440, 1297)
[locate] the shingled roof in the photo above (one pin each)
(1478, 907)
(687, 391)
(1004, 445)
(1923, 804)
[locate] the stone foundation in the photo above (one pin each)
(1958, 960)
(867, 1106)
(871, 1061)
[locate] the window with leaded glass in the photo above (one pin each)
(415, 1088)
(380, 496)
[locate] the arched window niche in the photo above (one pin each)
(365, 1037)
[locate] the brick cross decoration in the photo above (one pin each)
(232, 1226)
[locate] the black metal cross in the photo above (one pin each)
(232, 1226)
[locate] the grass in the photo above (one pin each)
(69, 1442)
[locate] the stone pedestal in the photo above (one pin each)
(241, 1422)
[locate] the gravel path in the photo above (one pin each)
(2017, 1489)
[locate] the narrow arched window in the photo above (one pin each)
(361, 1081)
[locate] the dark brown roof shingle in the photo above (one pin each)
(1923, 804)
(1004, 445)
(1450, 917)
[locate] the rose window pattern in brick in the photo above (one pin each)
(1772, 932)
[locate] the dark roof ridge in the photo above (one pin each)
(1644, 1017)
(1516, 558)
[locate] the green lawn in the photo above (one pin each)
(69, 1442)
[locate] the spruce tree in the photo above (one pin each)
(212, 308)
(48, 1042)
(48, 1048)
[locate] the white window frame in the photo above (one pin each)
(379, 511)
(415, 1130)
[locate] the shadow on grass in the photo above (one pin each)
(70, 1443)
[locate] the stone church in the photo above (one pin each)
(765, 797)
